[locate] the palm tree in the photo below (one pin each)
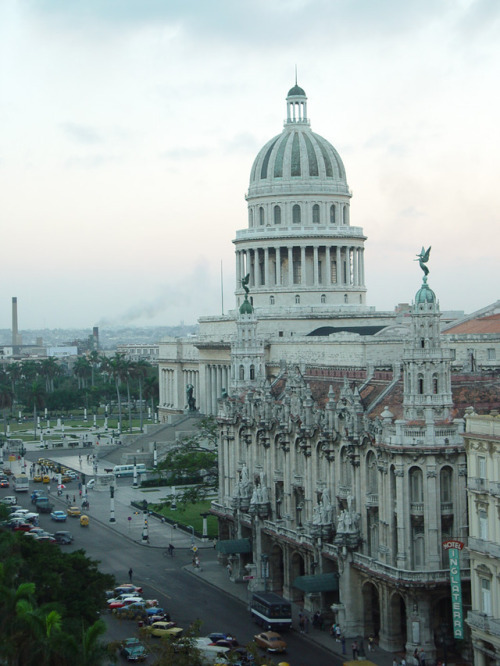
(82, 370)
(151, 390)
(36, 393)
(14, 372)
(140, 370)
(49, 368)
(92, 652)
(94, 359)
(116, 369)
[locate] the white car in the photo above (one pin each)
(10, 499)
(19, 513)
(90, 484)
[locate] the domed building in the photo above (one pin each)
(300, 249)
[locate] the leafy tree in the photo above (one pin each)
(194, 460)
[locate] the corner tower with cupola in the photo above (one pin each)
(300, 249)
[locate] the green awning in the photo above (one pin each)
(320, 583)
(230, 546)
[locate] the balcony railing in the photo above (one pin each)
(478, 484)
(485, 547)
(483, 622)
(405, 576)
(371, 499)
(417, 508)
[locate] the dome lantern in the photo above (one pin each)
(296, 105)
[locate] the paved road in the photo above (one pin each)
(170, 580)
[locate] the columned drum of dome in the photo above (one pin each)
(300, 249)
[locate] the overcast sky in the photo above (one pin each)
(129, 127)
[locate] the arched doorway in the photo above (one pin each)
(395, 632)
(371, 610)
(297, 568)
(276, 570)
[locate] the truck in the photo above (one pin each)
(21, 483)
(43, 505)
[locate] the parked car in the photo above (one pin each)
(133, 650)
(127, 601)
(58, 516)
(162, 628)
(127, 587)
(9, 499)
(270, 641)
(63, 537)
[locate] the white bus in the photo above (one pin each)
(21, 483)
(128, 470)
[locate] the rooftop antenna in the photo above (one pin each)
(222, 287)
(295, 74)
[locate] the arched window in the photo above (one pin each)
(296, 217)
(252, 372)
(242, 373)
(344, 215)
(297, 299)
(271, 300)
(332, 214)
(445, 483)
(421, 384)
(416, 485)
(277, 215)
(435, 384)
(261, 215)
(316, 214)
(250, 217)
(323, 298)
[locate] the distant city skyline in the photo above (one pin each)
(129, 132)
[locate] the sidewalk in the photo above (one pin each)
(130, 522)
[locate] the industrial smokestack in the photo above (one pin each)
(15, 330)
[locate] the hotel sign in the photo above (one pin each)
(454, 547)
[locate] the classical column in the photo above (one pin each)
(315, 266)
(355, 277)
(278, 267)
(339, 266)
(266, 267)
(251, 267)
(328, 266)
(290, 266)
(302, 265)
(213, 389)
(401, 496)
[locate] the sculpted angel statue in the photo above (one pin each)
(423, 258)
(244, 283)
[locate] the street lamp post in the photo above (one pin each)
(135, 484)
(264, 560)
(112, 503)
(155, 456)
(205, 526)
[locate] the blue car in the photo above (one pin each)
(58, 516)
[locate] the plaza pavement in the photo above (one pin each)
(130, 523)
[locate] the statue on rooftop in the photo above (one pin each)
(244, 283)
(423, 258)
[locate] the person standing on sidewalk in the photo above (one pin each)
(354, 648)
(130, 574)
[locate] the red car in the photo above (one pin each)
(22, 527)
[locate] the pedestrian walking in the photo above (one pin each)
(74, 499)
(342, 642)
(67, 498)
(171, 549)
(416, 656)
(338, 633)
(229, 569)
(130, 574)
(48, 488)
(354, 648)
(423, 657)
(302, 623)
(371, 643)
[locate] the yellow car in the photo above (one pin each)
(37, 478)
(84, 521)
(66, 479)
(46, 478)
(74, 511)
(164, 629)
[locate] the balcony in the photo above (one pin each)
(405, 576)
(477, 484)
(344, 491)
(371, 499)
(417, 508)
(446, 508)
(489, 548)
(482, 622)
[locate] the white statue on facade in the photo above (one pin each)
(316, 515)
(263, 489)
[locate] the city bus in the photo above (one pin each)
(128, 470)
(21, 483)
(271, 611)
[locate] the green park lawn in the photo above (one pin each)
(189, 514)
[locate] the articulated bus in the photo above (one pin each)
(271, 611)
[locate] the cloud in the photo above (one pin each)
(91, 162)
(82, 133)
(181, 153)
